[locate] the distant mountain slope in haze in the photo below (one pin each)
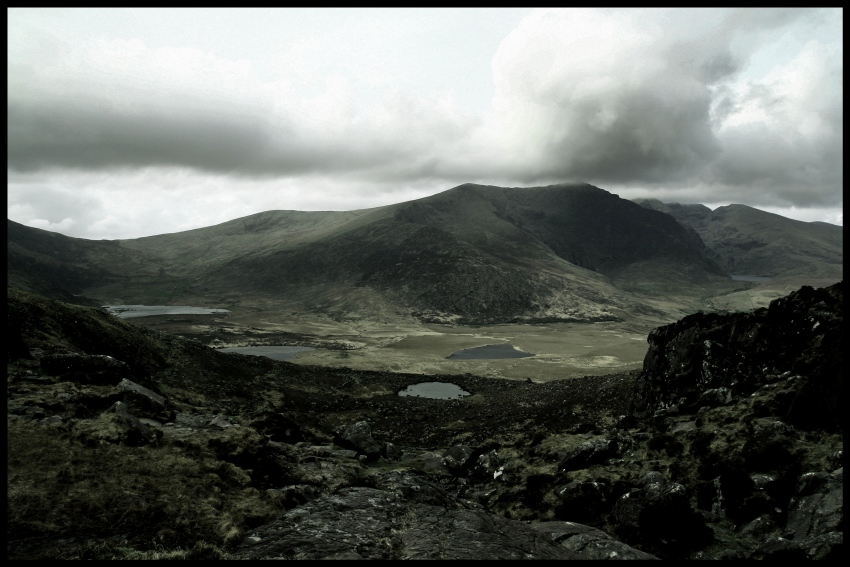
(745, 240)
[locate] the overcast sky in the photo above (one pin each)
(131, 122)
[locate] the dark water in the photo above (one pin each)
(130, 311)
(274, 352)
(489, 351)
(435, 391)
(749, 278)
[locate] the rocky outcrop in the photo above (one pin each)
(816, 514)
(708, 359)
(403, 518)
(660, 515)
(142, 401)
(358, 437)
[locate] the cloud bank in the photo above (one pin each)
(120, 134)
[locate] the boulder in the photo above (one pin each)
(779, 549)
(142, 401)
(581, 501)
(391, 452)
(660, 516)
(458, 458)
(770, 445)
(132, 430)
(432, 462)
(358, 437)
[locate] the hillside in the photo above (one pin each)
(744, 240)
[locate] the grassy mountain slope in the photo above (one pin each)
(488, 254)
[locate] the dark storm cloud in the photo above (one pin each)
(660, 97)
(85, 133)
(80, 137)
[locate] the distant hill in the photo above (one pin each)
(472, 254)
(744, 240)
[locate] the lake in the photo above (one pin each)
(273, 352)
(435, 391)
(489, 351)
(130, 311)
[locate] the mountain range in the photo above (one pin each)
(474, 254)
(744, 240)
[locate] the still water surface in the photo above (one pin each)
(435, 391)
(489, 352)
(130, 311)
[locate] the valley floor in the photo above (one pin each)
(398, 344)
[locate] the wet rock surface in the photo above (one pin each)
(713, 451)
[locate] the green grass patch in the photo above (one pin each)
(141, 502)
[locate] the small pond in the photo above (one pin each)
(489, 351)
(435, 391)
(130, 311)
(274, 352)
(749, 278)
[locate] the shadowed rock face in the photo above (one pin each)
(799, 335)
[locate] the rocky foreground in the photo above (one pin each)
(128, 443)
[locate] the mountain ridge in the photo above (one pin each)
(745, 240)
(474, 253)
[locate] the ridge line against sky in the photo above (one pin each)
(125, 123)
